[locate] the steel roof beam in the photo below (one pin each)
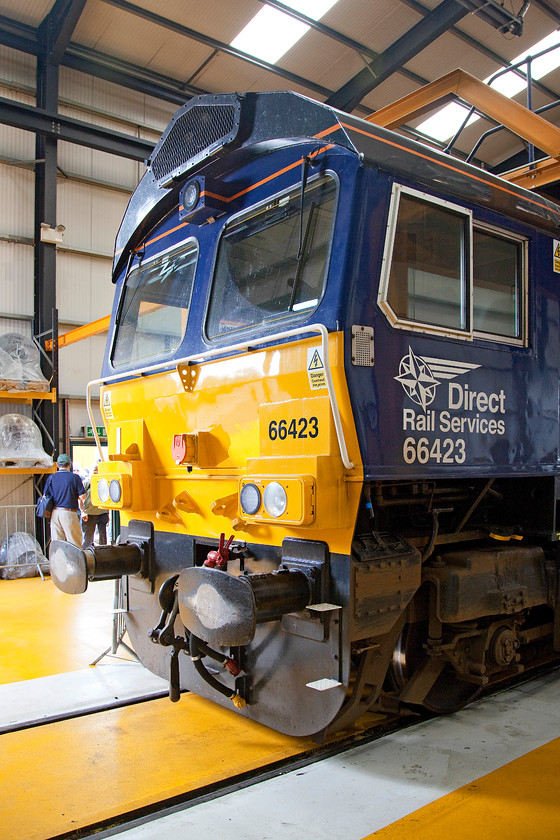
(18, 36)
(21, 37)
(129, 75)
(335, 35)
(53, 125)
(549, 8)
(172, 25)
(406, 47)
(56, 29)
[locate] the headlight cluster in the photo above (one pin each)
(289, 500)
(114, 491)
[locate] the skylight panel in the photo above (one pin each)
(444, 123)
(271, 33)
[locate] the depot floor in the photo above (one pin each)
(491, 770)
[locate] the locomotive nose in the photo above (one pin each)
(224, 610)
(71, 568)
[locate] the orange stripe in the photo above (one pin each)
(447, 166)
(161, 236)
(239, 194)
(281, 171)
(337, 126)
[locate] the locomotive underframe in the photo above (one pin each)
(424, 619)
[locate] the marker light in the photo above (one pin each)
(191, 194)
(103, 490)
(115, 491)
(275, 499)
(250, 499)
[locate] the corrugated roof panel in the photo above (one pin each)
(177, 56)
(536, 25)
(377, 25)
(450, 52)
(32, 12)
(102, 27)
(208, 17)
(395, 87)
(322, 60)
(128, 37)
(242, 76)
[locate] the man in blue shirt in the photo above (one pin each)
(68, 493)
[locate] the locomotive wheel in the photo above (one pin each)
(448, 693)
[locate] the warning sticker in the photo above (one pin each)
(316, 368)
(556, 256)
(107, 409)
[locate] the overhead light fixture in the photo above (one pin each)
(271, 33)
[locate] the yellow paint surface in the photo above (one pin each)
(70, 774)
(516, 802)
(243, 417)
(46, 632)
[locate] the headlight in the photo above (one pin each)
(250, 499)
(103, 490)
(191, 194)
(275, 499)
(115, 491)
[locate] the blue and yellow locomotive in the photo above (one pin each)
(331, 398)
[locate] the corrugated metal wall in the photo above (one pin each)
(92, 193)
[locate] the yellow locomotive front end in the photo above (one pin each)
(244, 447)
(234, 462)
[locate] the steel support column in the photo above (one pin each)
(53, 37)
(45, 253)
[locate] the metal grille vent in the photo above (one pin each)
(362, 346)
(195, 134)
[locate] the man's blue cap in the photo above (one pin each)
(63, 460)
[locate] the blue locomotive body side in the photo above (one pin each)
(434, 405)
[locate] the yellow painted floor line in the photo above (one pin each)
(67, 775)
(46, 632)
(519, 801)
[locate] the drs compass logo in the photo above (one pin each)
(467, 411)
(421, 375)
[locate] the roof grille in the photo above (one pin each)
(196, 134)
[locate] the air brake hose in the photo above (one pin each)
(225, 661)
(196, 652)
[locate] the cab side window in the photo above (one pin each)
(444, 273)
